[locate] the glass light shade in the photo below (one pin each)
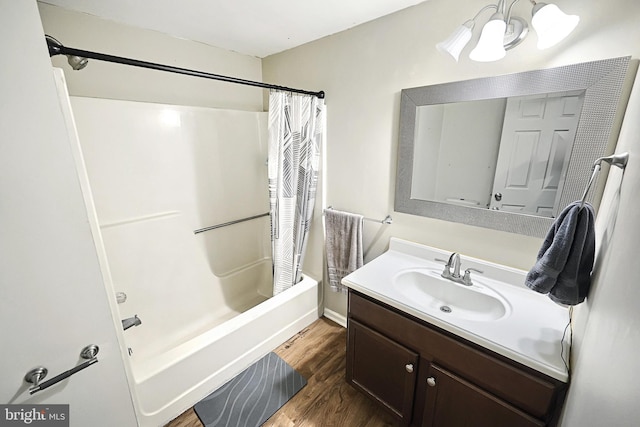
(552, 25)
(490, 47)
(457, 40)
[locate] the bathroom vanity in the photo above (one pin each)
(439, 353)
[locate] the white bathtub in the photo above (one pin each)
(169, 383)
(198, 329)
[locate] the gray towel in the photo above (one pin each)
(343, 245)
(565, 260)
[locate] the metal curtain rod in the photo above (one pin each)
(57, 48)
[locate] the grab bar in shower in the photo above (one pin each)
(213, 227)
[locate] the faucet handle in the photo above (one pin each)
(446, 273)
(467, 275)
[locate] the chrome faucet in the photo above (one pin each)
(454, 262)
(131, 322)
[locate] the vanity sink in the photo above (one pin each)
(445, 298)
(496, 311)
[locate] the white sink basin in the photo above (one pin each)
(497, 312)
(445, 298)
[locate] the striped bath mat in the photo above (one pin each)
(252, 396)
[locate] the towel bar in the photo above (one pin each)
(387, 220)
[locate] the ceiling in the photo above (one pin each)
(253, 27)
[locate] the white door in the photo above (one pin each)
(53, 300)
(535, 148)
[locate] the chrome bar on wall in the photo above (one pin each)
(213, 227)
(387, 220)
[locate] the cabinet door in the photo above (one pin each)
(382, 369)
(454, 402)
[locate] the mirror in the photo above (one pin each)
(507, 152)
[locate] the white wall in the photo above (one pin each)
(106, 80)
(606, 384)
(363, 70)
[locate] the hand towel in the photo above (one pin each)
(343, 245)
(565, 260)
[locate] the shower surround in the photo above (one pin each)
(156, 174)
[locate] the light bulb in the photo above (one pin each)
(490, 47)
(457, 40)
(551, 24)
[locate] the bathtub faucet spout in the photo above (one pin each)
(130, 322)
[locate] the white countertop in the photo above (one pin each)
(530, 332)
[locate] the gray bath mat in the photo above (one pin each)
(252, 396)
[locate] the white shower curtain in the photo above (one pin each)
(296, 123)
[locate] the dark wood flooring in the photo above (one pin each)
(318, 354)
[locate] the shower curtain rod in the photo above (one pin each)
(57, 48)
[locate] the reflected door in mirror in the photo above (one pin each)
(535, 148)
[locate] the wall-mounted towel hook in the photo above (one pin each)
(619, 160)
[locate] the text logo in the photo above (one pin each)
(34, 415)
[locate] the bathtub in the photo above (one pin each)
(166, 385)
(198, 329)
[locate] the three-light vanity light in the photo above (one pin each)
(504, 31)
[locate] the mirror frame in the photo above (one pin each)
(604, 84)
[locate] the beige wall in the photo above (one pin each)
(105, 80)
(605, 386)
(363, 70)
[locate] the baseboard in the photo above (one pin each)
(336, 317)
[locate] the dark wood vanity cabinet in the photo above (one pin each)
(429, 377)
(382, 369)
(452, 401)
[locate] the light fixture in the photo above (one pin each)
(457, 40)
(505, 31)
(551, 24)
(490, 47)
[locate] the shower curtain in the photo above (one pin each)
(296, 124)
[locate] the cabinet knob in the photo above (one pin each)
(409, 367)
(431, 381)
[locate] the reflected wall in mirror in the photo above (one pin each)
(507, 152)
(511, 154)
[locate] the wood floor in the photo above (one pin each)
(318, 354)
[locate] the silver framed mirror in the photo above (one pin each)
(591, 91)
